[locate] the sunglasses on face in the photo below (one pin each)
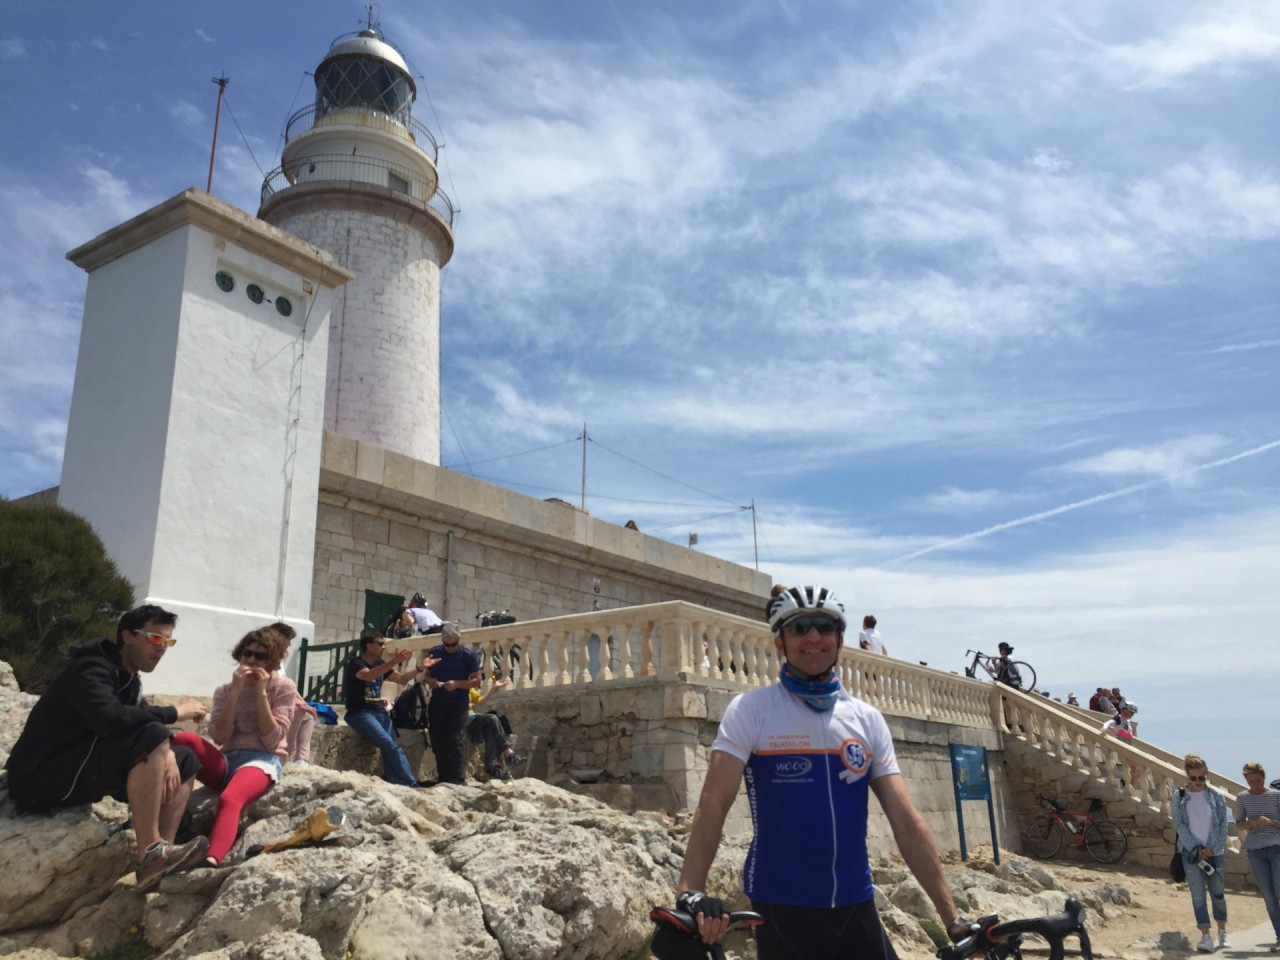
(159, 639)
(1197, 779)
(802, 625)
(255, 655)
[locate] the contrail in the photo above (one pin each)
(1066, 508)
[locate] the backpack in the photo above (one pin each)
(409, 712)
(393, 629)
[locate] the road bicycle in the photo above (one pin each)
(677, 935)
(1018, 669)
(1103, 839)
(997, 941)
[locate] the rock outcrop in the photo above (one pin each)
(519, 869)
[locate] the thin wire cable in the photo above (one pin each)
(661, 474)
(690, 523)
(508, 456)
(601, 496)
(456, 438)
(294, 102)
(448, 170)
(243, 138)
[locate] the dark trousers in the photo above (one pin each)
(447, 721)
(815, 933)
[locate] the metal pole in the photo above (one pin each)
(222, 82)
(754, 539)
(584, 467)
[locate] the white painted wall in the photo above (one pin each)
(383, 382)
(194, 440)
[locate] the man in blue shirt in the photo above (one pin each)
(451, 677)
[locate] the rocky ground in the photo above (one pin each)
(519, 870)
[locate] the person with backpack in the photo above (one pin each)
(367, 711)
(1199, 816)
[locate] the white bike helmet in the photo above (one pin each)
(797, 601)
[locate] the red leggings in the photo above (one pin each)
(246, 785)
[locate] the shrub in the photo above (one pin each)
(57, 587)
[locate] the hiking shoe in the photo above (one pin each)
(498, 773)
(1223, 940)
(163, 858)
(516, 758)
(1205, 945)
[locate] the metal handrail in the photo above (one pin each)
(326, 688)
(306, 118)
(342, 168)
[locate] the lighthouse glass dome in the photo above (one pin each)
(364, 72)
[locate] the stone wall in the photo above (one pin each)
(395, 525)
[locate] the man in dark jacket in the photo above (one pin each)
(92, 735)
(455, 671)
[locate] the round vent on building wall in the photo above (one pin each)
(225, 281)
(255, 292)
(283, 306)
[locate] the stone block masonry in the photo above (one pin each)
(388, 523)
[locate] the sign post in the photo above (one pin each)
(972, 781)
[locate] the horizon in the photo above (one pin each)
(975, 306)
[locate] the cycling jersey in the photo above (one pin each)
(808, 776)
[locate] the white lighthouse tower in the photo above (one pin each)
(358, 178)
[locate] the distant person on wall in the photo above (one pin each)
(455, 671)
(494, 731)
(773, 595)
(1258, 811)
(250, 722)
(811, 756)
(425, 620)
(869, 639)
(1072, 701)
(1200, 817)
(91, 735)
(367, 711)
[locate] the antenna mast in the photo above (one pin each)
(222, 82)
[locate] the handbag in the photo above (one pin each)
(1177, 867)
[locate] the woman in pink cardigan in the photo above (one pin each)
(250, 722)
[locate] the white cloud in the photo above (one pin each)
(98, 43)
(954, 500)
(187, 113)
(1170, 461)
(1213, 38)
(12, 48)
(204, 36)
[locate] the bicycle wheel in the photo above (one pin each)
(1043, 838)
(1105, 841)
(1028, 675)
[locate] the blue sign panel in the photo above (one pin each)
(969, 772)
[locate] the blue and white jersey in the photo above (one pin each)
(808, 776)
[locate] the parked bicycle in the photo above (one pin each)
(677, 936)
(997, 941)
(1103, 839)
(1017, 669)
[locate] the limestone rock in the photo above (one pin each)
(284, 946)
(99, 927)
(1028, 874)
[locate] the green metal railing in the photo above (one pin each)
(327, 687)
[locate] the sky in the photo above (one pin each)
(974, 303)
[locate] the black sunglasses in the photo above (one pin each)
(255, 654)
(802, 625)
(1196, 779)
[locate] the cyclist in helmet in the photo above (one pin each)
(810, 755)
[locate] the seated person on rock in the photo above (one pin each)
(493, 730)
(303, 726)
(250, 722)
(367, 711)
(91, 735)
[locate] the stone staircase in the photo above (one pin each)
(1059, 752)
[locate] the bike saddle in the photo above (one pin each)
(682, 922)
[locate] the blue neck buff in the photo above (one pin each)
(819, 695)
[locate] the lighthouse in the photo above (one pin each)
(358, 178)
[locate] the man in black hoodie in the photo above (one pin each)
(91, 735)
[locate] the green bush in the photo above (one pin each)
(57, 587)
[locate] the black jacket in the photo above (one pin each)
(93, 700)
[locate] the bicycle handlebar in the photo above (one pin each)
(989, 934)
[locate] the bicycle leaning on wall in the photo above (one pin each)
(1102, 839)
